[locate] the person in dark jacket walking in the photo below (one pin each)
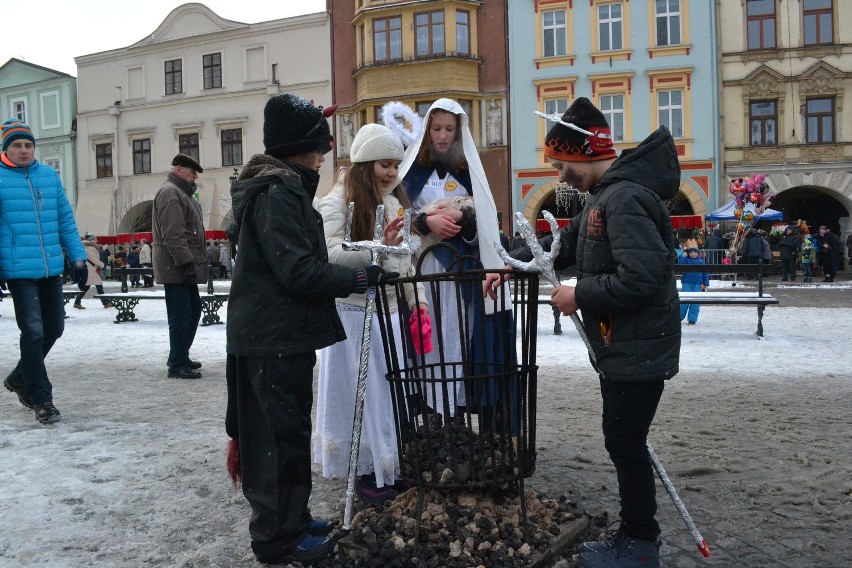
(281, 310)
(620, 244)
(830, 253)
(789, 249)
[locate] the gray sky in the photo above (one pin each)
(51, 33)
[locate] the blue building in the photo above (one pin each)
(644, 63)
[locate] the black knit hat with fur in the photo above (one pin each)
(569, 145)
(292, 125)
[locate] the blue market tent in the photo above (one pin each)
(726, 212)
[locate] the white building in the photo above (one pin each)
(197, 85)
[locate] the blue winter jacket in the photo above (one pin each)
(693, 277)
(36, 223)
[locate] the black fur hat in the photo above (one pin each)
(292, 125)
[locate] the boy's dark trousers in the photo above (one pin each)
(628, 410)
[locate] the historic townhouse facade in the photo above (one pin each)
(644, 63)
(417, 51)
(198, 85)
(787, 67)
(47, 101)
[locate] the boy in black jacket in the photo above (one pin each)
(626, 292)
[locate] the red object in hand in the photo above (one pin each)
(232, 461)
(420, 325)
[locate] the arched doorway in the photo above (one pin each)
(814, 204)
(137, 219)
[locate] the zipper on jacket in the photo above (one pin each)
(36, 201)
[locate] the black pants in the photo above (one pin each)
(628, 410)
(269, 401)
(79, 299)
(183, 306)
(148, 280)
(788, 268)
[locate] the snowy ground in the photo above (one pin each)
(755, 433)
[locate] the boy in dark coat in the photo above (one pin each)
(620, 245)
(789, 249)
(281, 310)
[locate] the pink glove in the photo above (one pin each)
(420, 325)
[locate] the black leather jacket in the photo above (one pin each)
(283, 290)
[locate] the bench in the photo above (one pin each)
(738, 298)
(125, 301)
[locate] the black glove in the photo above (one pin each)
(81, 273)
(373, 275)
(3, 285)
(187, 273)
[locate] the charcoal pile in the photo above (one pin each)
(461, 529)
(454, 454)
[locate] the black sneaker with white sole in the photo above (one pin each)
(46, 413)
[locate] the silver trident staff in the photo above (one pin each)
(543, 263)
(376, 247)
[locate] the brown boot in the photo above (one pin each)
(79, 306)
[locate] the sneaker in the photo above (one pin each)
(611, 540)
(14, 385)
(46, 413)
(309, 550)
(626, 552)
(79, 306)
(319, 527)
(366, 488)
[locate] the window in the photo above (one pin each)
(429, 33)
(232, 147)
(462, 32)
(174, 76)
(818, 22)
(387, 39)
(609, 26)
(555, 38)
(555, 106)
(819, 121)
(760, 16)
(18, 109)
(142, 156)
(188, 144)
(763, 123)
(103, 160)
(50, 110)
(212, 65)
(423, 108)
(612, 107)
(54, 163)
(670, 111)
(668, 22)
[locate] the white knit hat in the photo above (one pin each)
(375, 142)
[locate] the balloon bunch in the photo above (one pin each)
(753, 191)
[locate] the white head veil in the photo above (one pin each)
(487, 228)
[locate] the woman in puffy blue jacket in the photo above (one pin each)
(692, 282)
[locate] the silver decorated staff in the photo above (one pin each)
(376, 248)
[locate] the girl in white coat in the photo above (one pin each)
(372, 179)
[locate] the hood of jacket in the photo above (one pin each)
(257, 175)
(652, 164)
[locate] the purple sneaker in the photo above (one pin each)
(366, 488)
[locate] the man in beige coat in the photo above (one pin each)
(180, 260)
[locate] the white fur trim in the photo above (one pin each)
(393, 113)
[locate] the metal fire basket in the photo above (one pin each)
(465, 413)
